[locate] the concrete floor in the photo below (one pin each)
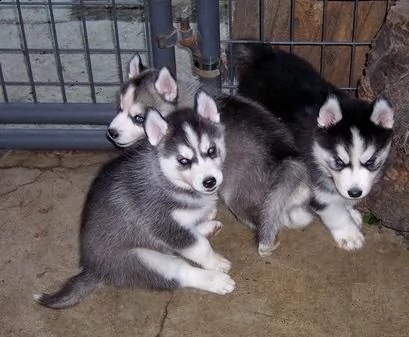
(307, 288)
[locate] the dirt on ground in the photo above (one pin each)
(308, 287)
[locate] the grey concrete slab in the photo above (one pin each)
(308, 287)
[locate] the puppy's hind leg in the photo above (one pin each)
(299, 217)
(173, 268)
(267, 239)
(270, 218)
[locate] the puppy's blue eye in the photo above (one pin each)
(339, 163)
(139, 119)
(184, 161)
(212, 152)
(371, 164)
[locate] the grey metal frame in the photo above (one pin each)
(158, 22)
(64, 116)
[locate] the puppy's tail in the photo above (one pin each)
(248, 55)
(70, 294)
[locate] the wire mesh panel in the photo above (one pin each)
(68, 51)
(332, 35)
(73, 54)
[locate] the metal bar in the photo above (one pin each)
(3, 85)
(292, 23)
(54, 139)
(117, 45)
(261, 19)
(56, 52)
(231, 87)
(132, 51)
(26, 53)
(352, 64)
(209, 42)
(89, 3)
(57, 113)
(147, 32)
(304, 43)
(69, 84)
(230, 46)
(87, 54)
(71, 51)
(324, 34)
(160, 19)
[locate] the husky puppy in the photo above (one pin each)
(147, 87)
(344, 141)
(266, 185)
(148, 210)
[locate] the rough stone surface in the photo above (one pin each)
(387, 73)
(308, 287)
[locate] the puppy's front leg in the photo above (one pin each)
(203, 254)
(210, 227)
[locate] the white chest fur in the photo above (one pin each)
(189, 218)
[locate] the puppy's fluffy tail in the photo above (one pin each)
(248, 55)
(70, 294)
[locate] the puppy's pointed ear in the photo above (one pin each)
(206, 107)
(330, 113)
(155, 126)
(382, 113)
(166, 85)
(135, 66)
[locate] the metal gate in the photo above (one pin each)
(62, 62)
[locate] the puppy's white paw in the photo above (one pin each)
(209, 228)
(218, 282)
(349, 238)
(217, 262)
(356, 216)
(266, 250)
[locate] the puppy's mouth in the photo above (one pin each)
(211, 190)
(123, 144)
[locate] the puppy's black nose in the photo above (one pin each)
(112, 133)
(355, 192)
(209, 182)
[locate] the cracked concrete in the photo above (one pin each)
(308, 287)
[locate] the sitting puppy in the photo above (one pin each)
(266, 185)
(150, 209)
(344, 141)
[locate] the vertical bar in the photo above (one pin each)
(231, 61)
(117, 46)
(352, 64)
(147, 32)
(324, 34)
(292, 23)
(3, 85)
(208, 25)
(87, 53)
(57, 52)
(26, 53)
(261, 19)
(160, 17)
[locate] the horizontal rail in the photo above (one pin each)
(304, 43)
(98, 3)
(54, 139)
(57, 113)
(71, 50)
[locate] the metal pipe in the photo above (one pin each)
(54, 113)
(54, 139)
(208, 25)
(160, 19)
